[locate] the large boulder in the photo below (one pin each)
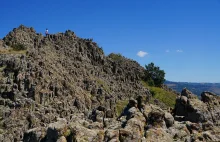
(213, 103)
(155, 116)
(169, 119)
(134, 126)
(191, 108)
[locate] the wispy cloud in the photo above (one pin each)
(179, 51)
(167, 51)
(142, 53)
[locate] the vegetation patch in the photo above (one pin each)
(120, 105)
(18, 47)
(168, 98)
(12, 51)
(115, 57)
(67, 133)
(2, 68)
(104, 85)
(145, 84)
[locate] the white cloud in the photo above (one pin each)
(167, 51)
(142, 53)
(179, 51)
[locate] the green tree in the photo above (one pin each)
(153, 75)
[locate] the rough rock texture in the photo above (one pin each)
(195, 110)
(58, 76)
(63, 88)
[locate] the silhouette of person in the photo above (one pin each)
(46, 32)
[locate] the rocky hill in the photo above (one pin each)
(62, 88)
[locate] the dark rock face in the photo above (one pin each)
(64, 89)
(191, 108)
(194, 110)
(205, 111)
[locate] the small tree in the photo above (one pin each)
(153, 75)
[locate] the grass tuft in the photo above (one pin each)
(120, 105)
(12, 51)
(168, 98)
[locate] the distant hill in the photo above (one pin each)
(196, 88)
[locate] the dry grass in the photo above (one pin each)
(11, 51)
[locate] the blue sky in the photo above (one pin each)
(180, 36)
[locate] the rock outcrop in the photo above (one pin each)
(62, 88)
(199, 111)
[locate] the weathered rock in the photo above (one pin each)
(169, 119)
(179, 131)
(62, 139)
(187, 94)
(158, 134)
(111, 136)
(195, 110)
(34, 135)
(134, 126)
(155, 116)
(83, 134)
(56, 129)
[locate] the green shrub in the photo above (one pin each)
(115, 57)
(153, 75)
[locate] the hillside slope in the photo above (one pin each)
(63, 73)
(62, 88)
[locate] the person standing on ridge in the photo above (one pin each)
(46, 32)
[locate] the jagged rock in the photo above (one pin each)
(209, 97)
(56, 129)
(213, 103)
(155, 116)
(207, 126)
(34, 135)
(210, 137)
(193, 127)
(195, 110)
(83, 134)
(134, 126)
(111, 136)
(187, 94)
(179, 131)
(109, 114)
(158, 134)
